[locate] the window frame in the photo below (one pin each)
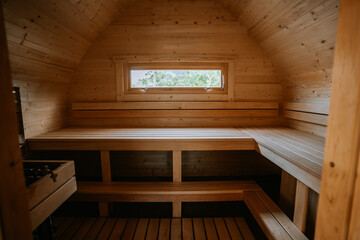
(223, 66)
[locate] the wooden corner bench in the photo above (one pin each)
(296, 152)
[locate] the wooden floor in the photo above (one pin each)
(153, 228)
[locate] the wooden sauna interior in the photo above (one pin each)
(272, 153)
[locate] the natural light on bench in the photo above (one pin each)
(175, 78)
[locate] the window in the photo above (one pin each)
(176, 77)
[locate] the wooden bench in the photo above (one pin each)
(274, 223)
(298, 153)
(142, 139)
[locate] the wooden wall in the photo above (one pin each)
(47, 40)
(299, 38)
(174, 28)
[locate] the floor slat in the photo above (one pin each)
(164, 229)
(141, 229)
(187, 229)
(106, 229)
(129, 230)
(102, 228)
(153, 229)
(221, 229)
(84, 228)
(175, 229)
(244, 228)
(95, 229)
(199, 231)
(233, 228)
(210, 229)
(118, 229)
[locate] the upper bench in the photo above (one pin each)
(298, 153)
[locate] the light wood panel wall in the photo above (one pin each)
(47, 41)
(176, 28)
(299, 38)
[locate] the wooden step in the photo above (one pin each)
(274, 223)
(164, 191)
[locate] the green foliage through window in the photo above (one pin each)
(175, 78)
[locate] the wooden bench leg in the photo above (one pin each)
(177, 166)
(301, 205)
(106, 177)
(103, 209)
(176, 207)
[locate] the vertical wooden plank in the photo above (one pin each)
(199, 230)
(103, 209)
(176, 208)
(105, 166)
(221, 229)
(119, 66)
(287, 193)
(187, 229)
(210, 229)
(343, 136)
(164, 229)
(231, 82)
(175, 229)
(177, 166)
(14, 207)
(176, 178)
(354, 229)
(301, 205)
(118, 229)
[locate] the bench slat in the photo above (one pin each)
(164, 191)
(271, 227)
(274, 222)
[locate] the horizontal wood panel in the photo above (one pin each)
(307, 117)
(173, 105)
(39, 213)
(176, 122)
(174, 113)
(313, 107)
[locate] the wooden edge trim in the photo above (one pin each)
(173, 105)
(308, 179)
(175, 58)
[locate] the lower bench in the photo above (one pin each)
(274, 223)
(164, 191)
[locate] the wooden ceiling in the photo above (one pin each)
(296, 34)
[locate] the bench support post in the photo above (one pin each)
(301, 205)
(176, 205)
(106, 177)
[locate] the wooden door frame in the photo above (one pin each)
(14, 210)
(338, 215)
